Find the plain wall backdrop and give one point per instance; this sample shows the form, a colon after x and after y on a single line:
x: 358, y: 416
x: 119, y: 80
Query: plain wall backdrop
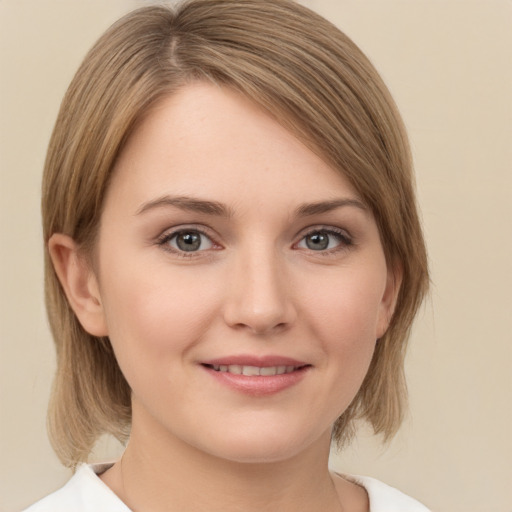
x: 448, y: 65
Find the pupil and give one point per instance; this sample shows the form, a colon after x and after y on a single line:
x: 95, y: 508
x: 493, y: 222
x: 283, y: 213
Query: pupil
x: 188, y: 241
x: 317, y: 241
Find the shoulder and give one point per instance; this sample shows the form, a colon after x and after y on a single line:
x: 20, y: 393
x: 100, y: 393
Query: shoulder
x: 84, y: 492
x: 384, y: 498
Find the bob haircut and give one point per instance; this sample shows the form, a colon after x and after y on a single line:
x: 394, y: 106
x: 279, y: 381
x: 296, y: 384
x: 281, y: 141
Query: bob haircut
x: 306, y: 74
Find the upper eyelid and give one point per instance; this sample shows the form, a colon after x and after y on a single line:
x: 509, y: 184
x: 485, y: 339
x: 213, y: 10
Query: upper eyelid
x: 162, y: 241
x: 173, y: 231
x: 170, y: 232
x: 345, y: 238
x: 321, y: 227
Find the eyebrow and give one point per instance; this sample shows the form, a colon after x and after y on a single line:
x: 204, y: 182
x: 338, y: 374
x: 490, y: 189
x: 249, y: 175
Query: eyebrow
x: 187, y: 203
x: 215, y: 208
x: 308, y: 209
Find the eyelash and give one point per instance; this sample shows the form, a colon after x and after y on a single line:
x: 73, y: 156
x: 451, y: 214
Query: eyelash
x: 165, y: 238
x: 344, y: 239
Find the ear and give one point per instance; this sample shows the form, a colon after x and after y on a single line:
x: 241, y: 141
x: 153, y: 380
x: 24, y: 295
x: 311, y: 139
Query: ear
x: 79, y: 283
x: 389, y: 299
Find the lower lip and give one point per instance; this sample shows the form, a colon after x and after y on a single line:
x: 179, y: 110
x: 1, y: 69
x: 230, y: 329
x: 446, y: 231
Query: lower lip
x: 259, y: 385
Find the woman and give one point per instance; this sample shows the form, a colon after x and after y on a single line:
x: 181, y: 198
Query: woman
x: 234, y: 262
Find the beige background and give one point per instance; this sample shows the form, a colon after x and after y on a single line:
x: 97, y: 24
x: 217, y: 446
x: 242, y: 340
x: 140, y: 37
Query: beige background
x: 448, y: 63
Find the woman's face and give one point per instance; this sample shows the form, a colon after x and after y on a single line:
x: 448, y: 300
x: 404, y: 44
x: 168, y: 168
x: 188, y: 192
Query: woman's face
x: 242, y: 281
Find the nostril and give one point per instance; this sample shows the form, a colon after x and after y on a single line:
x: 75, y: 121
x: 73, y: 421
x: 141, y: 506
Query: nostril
x: 259, y: 306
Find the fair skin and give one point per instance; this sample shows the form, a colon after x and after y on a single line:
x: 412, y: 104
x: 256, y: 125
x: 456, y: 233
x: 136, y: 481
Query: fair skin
x: 226, y: 245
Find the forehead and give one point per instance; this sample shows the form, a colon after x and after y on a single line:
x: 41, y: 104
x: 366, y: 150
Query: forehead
x: 213, y: 141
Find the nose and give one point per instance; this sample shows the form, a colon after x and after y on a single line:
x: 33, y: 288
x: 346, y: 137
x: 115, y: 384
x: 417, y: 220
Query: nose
x: 259, y: 296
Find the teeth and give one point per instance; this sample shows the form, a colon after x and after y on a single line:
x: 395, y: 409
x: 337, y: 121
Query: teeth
x: 252, y: 371
x: 235, y: 368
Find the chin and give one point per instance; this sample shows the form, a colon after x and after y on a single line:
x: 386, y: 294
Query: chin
x: 264, y: 446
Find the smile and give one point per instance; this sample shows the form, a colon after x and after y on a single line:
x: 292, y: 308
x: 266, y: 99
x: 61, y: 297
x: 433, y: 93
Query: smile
x: 257, y: 376
x: 251, y: 371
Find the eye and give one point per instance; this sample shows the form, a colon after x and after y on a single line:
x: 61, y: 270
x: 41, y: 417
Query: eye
x: 189, y: 240
x: 324, y: 240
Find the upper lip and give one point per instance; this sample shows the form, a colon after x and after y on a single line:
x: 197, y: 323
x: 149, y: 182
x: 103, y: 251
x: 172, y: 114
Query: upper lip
x: 258, y: 361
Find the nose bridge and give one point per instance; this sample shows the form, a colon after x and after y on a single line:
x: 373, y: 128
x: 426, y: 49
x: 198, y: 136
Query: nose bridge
x: 259, y: 294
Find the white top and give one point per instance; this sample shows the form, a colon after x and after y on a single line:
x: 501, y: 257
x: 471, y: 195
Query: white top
x: 85, y: 492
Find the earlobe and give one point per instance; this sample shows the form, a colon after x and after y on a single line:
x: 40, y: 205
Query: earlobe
x: 79, y: 283
x: 389, y: 299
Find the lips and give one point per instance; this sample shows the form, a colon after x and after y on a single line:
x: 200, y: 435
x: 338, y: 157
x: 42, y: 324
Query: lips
x: 257, y: 376
x: 251, y: 371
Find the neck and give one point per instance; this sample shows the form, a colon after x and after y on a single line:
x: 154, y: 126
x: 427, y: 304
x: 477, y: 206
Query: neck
x: 163, y: 474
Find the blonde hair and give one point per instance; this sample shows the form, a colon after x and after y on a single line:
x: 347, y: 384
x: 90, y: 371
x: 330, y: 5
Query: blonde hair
x: 302, y: 70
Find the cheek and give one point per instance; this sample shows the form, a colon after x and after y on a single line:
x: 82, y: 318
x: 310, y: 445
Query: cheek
x: 349, y: 309
x: 345, y: 320
x: 153, y: 315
